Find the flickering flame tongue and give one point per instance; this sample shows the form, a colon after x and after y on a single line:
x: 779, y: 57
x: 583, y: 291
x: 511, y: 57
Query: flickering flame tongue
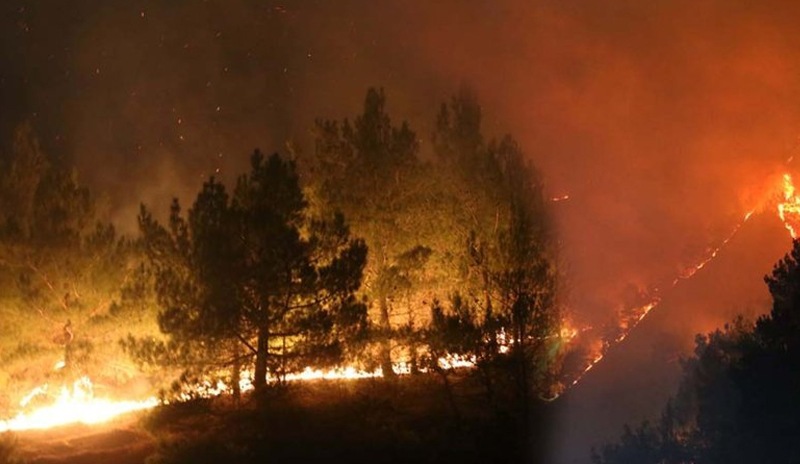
x: 77, y: 403
x: 789, y: 209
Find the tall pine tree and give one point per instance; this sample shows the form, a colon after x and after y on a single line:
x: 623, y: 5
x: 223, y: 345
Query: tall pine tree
x: 254, y: 273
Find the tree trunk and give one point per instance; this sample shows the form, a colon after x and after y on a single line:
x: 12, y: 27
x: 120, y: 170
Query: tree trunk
x: 236, y: 372
x: 488, y: 385
x: 412, y: 341
x: 519, y: 353
x: 262, y: 353
x: 448, y: 388
x: 386, y: 347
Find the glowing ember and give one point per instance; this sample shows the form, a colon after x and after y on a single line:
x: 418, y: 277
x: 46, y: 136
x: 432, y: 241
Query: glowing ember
x: 567, y: 331
x: 453, y: 361
x: 79, y: 405
x: 72, y: 405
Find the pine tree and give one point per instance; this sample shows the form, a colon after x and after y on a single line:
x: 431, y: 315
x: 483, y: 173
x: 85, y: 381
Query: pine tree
x: 370, y: 171
x: 737, y: 402
x: 255, y: 273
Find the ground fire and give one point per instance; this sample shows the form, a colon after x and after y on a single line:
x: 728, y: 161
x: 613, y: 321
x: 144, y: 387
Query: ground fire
x: 782, y: 199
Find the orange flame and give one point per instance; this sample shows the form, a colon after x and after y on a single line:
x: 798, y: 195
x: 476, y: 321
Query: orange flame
x: 789, y: 209
x: 78, y: 404
x: 72, y: 405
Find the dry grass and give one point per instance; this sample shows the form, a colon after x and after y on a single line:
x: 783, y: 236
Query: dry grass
x: 367, y: 421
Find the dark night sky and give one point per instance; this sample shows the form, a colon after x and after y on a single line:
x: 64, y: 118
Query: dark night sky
x: 148, y: 98
x: 662, y: 119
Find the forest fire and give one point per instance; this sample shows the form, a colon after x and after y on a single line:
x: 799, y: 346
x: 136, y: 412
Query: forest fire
x: 786, y: 202
x: 252, y: 231
x: 77, y: 403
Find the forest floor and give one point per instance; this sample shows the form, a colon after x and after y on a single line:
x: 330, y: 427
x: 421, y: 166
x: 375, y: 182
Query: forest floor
x: 367, y: 421
x: 122, y: 441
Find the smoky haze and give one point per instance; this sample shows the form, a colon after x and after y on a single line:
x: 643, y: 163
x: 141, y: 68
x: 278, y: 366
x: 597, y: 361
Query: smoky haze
x: 664, y: 121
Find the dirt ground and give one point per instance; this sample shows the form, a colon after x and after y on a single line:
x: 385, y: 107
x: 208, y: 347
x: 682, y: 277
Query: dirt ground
x: 117, y: 442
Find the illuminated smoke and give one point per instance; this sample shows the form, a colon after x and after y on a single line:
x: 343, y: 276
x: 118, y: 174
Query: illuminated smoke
x: 787, y: 206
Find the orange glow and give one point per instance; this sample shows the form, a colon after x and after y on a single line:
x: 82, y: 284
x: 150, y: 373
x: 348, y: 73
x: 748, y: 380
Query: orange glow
x: 637, y: 315
x: 567, y: 332
x: 76, y: 404
x: 346, y: 373
x: 789, y: 212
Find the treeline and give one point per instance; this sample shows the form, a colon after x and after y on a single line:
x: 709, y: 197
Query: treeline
x: 738, y: 400
x: 378, y: 255
x: 67, y: 280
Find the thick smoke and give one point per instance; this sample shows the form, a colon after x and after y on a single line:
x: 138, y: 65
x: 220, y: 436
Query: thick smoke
x: 658, y: 118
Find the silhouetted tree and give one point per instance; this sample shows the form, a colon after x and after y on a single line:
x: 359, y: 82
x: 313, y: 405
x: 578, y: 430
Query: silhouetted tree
x: 738, y: 401
x: 452, y: 333
x: 476, y: 208
x: 369, y: 170
x: 255, y: 273
x: 511, y: 279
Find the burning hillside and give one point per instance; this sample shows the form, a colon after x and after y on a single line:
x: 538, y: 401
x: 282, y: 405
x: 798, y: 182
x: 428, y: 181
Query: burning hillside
x: 635, y: 378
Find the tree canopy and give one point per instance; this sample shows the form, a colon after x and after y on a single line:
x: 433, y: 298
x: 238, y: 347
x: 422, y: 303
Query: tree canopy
x: 255, y: 273
x: 468, y: 218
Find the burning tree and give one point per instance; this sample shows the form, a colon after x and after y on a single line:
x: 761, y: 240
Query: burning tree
x: 253, y: 273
